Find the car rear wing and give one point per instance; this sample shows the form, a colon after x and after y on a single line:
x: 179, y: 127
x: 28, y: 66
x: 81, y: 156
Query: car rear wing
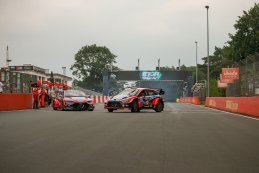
x: 160, y: 91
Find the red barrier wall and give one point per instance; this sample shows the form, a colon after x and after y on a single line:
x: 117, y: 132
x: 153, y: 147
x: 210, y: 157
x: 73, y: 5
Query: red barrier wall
x: 193, y: 100
x: 15, y: 101
x: 242, y: 105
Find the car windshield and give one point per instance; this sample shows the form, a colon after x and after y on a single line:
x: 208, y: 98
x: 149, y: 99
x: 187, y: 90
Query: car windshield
x: 74, y: 93
x: 129, y: 92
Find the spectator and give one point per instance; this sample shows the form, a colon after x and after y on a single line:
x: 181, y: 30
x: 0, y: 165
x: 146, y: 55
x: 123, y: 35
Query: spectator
x: 43, y: 95
x: 52, y: 95
x: 1, y: 87
x: 35, y: 98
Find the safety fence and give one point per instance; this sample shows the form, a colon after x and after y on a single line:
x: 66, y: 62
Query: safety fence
x: 15, y: 101
x: 248, y: 84
x: 193, y: 100
x: 242, y: 105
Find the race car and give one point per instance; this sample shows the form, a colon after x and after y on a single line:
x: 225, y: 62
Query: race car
x: 73, y: 100
x: 135, y: 99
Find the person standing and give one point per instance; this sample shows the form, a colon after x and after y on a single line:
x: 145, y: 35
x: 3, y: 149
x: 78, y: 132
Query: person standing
x: 43, y: 94
x: 52, y: 96
x: 35, y: 98
x: 1, y: 87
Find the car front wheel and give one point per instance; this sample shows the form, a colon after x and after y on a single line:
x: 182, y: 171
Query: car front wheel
x: 135, y: 107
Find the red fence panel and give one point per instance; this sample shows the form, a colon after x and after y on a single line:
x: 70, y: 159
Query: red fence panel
x: 242, y: 105
x: 15, y: 101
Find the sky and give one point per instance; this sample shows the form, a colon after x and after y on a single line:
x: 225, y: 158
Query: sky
x: 48, y: 33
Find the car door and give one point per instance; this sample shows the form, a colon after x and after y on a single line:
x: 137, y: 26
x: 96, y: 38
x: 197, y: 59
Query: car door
x: 142, y: 98
x: 149, y: 97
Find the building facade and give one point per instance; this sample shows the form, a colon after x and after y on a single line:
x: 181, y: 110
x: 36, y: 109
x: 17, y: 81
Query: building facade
x: 17, y: 79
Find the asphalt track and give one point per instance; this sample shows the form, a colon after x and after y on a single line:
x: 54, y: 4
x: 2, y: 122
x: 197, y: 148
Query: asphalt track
x: 183, y: 139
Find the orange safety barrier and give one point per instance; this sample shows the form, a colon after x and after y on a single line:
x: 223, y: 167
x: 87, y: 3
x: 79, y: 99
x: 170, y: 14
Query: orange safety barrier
x: 15, y: 101
x: 242, y: 105
x: 193, y: 100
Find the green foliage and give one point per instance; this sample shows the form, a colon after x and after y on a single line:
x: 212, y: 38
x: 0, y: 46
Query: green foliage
x: 215, y: 91
x: 243, y: 43
x: 202, y: 72
x: 90, y: 63
x: 183, y: 68
x: 246, y: 40
x: 222, y: 57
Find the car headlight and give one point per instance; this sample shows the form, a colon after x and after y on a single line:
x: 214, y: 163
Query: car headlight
x: 125, y: 101
x: 90, y: 102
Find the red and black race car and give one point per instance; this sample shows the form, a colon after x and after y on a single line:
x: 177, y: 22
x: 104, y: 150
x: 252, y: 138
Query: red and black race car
x: 73, y: 100
x: 135, y: 99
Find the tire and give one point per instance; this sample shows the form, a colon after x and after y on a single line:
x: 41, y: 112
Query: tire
x: 110, y: 110
x: 134, y: 107
x: 90, y: 109
x: 159, y: 107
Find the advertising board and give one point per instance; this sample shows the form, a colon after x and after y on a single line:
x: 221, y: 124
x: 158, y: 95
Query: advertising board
x: 226, y: 80
x: 230, y: 73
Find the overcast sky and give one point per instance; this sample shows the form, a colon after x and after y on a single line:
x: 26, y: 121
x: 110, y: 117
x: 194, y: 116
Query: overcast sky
x: 48, y: 33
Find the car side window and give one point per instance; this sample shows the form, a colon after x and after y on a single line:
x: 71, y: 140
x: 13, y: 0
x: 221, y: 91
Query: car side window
x: 148, y: 93
x: 143, y: 93
x: 151, y: 92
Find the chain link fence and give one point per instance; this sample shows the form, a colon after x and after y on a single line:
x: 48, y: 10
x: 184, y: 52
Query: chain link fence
x: 248, y: 84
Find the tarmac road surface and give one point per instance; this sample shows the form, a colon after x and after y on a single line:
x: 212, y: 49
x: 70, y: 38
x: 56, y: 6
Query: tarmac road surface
x: 183, y: 139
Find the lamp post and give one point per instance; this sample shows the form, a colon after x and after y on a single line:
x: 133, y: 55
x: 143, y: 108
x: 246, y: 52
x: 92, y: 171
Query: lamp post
x: 196, y: 62
x: 208, y: 59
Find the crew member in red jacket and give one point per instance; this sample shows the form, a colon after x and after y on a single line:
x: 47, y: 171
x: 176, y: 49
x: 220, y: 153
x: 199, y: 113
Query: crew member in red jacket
x: 35, y: 98
x: 43, y: 93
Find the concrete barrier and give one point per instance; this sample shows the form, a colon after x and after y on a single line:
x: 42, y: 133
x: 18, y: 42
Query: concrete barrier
x: 193, y: 100
x: 242, y: 105
x: 15, y: 101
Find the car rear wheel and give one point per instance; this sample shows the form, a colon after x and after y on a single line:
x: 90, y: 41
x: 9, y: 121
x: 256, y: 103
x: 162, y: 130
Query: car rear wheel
x: 134, y: 107
x: 110, y: 110
x: 159, y: 107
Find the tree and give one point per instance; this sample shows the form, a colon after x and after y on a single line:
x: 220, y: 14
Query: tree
x: 215, y: 91
x: 222, y: 57
x: 90, y: 63
x: 243, y: 43
x: 201, y: 74
x: 246, y: 40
